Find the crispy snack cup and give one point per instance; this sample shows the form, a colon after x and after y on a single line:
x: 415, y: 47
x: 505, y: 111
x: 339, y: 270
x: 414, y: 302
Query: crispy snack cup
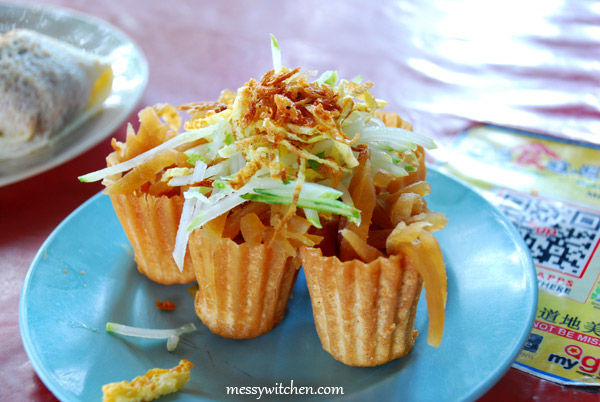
x: 243, y: 289
x: 150, y: 224
x: 364, y: 313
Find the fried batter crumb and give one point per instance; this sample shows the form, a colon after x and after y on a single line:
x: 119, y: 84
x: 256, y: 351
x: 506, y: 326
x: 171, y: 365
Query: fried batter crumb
x: 152, y: 385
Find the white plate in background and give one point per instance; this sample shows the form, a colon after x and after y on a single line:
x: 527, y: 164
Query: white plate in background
x: 130, y: 70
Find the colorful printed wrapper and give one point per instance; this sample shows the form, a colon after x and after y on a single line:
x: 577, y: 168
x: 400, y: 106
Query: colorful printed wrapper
x: 364, y: 313
x: 242, y: 289
x: 550, y: 189
x: 150, y: 224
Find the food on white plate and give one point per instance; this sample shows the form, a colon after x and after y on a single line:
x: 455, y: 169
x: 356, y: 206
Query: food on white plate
x: 47, y: 88
x: 287, y: 171
x: 152, y: 385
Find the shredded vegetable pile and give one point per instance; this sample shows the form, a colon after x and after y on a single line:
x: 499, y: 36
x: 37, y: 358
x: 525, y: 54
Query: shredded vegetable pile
x: 284, y: 139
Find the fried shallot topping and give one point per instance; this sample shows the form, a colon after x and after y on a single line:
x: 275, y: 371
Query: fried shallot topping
x: 280, y: 119
x: 288, y: 98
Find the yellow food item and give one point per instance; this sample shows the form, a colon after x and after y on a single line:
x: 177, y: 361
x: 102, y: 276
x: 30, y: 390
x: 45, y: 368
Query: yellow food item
x: 152, y: 385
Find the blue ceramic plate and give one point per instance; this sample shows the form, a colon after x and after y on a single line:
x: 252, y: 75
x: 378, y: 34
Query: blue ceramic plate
x: 84, y: 275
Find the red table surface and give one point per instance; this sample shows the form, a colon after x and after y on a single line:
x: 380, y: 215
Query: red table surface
x: 442, y: 64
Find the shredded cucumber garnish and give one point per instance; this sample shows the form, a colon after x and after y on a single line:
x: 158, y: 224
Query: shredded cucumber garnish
x: 317, y: 204
x: 198, y: 174
x: 329, y: 77
x: 245, y: 156
x: 152, y: 333
x: 382, y: 160
x: 174, y: 142
x: 182, y: 236
x: 172, y: 342
x: 275, y: 53
x: 394, y: 137
x: 309, y: 190
x: 313, y: 217
x: 219, y: 184
x: 215, y: 210
x: 198, y: 193
x: 172, y: 335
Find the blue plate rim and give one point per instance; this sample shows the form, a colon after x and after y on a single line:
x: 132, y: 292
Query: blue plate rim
x: 30, y: 348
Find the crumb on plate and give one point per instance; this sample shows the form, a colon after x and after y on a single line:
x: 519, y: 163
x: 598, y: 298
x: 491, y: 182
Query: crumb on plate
x: 152, y: 385
x: 165, y: 305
